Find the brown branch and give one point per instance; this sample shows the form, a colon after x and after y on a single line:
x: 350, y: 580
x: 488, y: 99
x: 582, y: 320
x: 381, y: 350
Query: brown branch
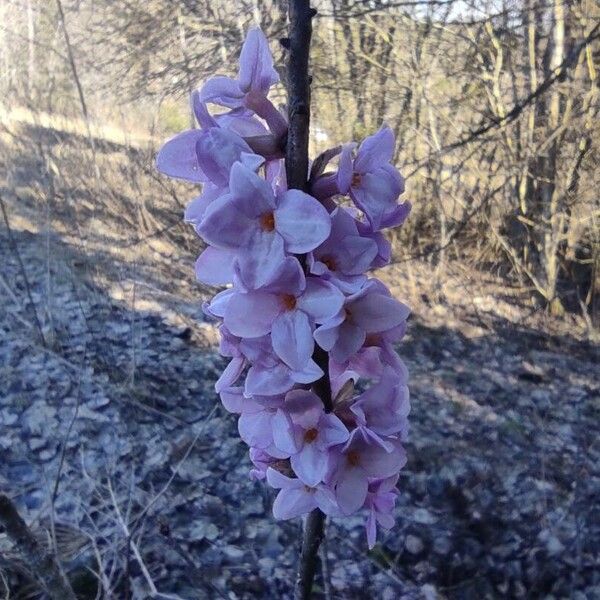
x: 78, y: 85
x: 558, y: 75
x: 15, y: 249
x: 314, y: 531
x: 42, y: 564
x: 296, y: 159
x: 296, y: 164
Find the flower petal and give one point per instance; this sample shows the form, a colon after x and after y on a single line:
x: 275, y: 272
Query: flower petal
x: 231, y: 373
x: 379, y: 463
x: 252, y: 314
x: 278, y: 480
x: 349, y: 341
x: 257, y: 264
x: 345, y: 169
x: 255, y: 429
x: 256, y: 192
x: 218, y: 149
x: 223, y: 91
x: 371, y: 527
x: 351, y: 489
x: 310, y: 373
x: 283, y: 433
x: 305, y: 408
x: 177, y: 157
x: 310, y: 464
x: 256, y: 63
x: 332, y: 431
x: 378, y: 312
x: 302, y: 221
x: 226, y: 224
x: 293, y: 502
x: 288, y: 278
x: 194, y: 211
x: 375, y: 151
x: 292, y: 339
x: 269, y: 381
x: 321, y: 300
x: 233, y: 400
x: 215, y: 266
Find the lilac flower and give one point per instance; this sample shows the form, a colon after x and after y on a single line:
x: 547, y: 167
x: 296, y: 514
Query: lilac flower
x: 287, y: 307
x: 262, y: 227
x: 296, y: 498
x: 201, y: 156
x: 256, y: 421
x: 380, y: 502
x: 304, y: 430
x: 255, y: 77
x: 267, y: 375
x: 369, y: 362
x: 360, y: 460
x: 345, y: 255
x: 261, y: 461
x: 383, y: 408
x: 370, y: 310
x: 372, y: 182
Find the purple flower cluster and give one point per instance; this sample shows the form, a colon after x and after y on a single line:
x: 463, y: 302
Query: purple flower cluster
x: 294, y: 269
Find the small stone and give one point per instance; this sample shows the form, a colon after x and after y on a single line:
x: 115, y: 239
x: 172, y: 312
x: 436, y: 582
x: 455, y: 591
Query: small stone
x: 46, y: 455
x: 413, y: 544
x: 8, y: 418
x: 429, y: 592
x: 233, y: 552
x: 423, y: 516
x: 554, y: 546
x: 442, y: 546
x: 35, y: 443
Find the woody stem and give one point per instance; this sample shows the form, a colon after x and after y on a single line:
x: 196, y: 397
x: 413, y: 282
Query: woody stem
x: 296, y: 164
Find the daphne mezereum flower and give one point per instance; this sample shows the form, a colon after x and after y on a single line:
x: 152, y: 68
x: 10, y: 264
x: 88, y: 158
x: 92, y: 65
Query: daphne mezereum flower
x: 360, y: 460
x: 287, y: 307
x: 249, y: 90
x: 383, y: 408
x: 345, y: 255
x: 295, y: 498
x: 306, y: 432
x: 294, y: 266
x: 370, y: 179
x: 261, y: 226
x: 376, y: 354
x: 380, y: 502
x: 370, y: 310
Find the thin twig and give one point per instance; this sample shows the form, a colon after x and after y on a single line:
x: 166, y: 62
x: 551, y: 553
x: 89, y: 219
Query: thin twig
x: 78, y: 85
x: 15, y: 250
x: 42, y: 564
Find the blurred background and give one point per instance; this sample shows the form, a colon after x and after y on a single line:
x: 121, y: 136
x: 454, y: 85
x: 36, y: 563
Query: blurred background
x: 112, y: 444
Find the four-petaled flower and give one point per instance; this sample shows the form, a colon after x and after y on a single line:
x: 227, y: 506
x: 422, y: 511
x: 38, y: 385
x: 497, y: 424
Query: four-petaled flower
x: 262, y: 227
x: 304, y: 430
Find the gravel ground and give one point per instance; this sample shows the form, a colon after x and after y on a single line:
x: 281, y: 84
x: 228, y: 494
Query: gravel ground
x: 113, y: 445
